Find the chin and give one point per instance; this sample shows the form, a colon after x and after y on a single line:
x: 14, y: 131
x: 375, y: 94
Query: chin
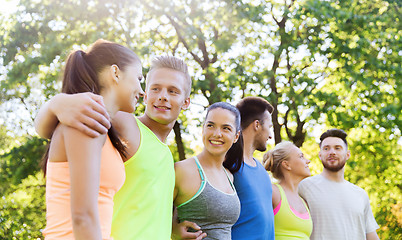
x: 163, y: 121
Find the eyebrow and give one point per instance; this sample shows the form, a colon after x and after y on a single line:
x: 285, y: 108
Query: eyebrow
x: 225, y: 125
x: 337, y: 145
x: 228, y: 125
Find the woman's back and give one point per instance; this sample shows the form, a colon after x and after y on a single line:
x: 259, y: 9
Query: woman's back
x: 58, y: 189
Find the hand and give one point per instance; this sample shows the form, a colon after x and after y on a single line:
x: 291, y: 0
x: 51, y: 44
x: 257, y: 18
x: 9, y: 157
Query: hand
x: 85, y: 112
x: 180, y: 231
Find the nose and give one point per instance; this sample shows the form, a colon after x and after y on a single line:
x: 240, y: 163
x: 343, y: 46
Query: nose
x: 331, y: 151
x: 270, y: 134
x: 217, y: 132
x: 308, y: 161
x: 163, y: 95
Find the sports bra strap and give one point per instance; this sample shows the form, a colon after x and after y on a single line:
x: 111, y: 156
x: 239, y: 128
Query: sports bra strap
x: 230, y: 181
x: 202, y: 173
x: 200, y: 170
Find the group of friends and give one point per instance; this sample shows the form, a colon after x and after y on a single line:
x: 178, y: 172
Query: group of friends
x: 110, y: 174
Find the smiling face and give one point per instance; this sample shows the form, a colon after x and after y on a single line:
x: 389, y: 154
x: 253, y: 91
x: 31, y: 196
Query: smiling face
x: 333, y: 154
x: 165, y: 95
x: 219, y: 131
x: 298, y: 163
x: 129, y: 88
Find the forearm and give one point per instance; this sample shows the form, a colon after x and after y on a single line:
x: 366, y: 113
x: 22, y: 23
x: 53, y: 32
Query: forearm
x: 82, y: 111
x: 46, y: 120
x: 84, y: 157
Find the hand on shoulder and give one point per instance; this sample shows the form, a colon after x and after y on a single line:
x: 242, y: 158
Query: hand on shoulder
x: 85, y: 112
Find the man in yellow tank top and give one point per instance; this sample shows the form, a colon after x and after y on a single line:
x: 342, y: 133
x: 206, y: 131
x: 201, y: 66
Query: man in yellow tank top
x: 143, y: 206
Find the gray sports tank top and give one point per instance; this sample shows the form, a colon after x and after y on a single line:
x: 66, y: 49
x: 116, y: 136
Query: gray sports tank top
x: 213, y: 210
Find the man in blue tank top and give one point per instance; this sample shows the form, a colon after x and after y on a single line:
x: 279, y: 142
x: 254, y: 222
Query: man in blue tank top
x: 252, y: 182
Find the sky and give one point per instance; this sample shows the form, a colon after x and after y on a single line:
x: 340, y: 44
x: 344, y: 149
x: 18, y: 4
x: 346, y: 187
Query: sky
x: 8, y: 6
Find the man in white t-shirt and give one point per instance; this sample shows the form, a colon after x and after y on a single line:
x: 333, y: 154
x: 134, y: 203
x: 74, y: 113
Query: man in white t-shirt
x: 339, y: 209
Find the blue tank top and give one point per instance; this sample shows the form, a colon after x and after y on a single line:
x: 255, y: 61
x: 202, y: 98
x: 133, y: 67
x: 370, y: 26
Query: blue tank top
x: 256, y: 221
x: 211, y: 209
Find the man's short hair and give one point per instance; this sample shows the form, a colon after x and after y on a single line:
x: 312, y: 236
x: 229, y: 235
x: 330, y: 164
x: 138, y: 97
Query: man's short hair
x: 339, y: 133
x: 253, y: 108
x: 174, y: 63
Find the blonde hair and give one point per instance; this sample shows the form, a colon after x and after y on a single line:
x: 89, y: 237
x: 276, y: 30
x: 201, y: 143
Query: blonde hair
x: 174, y: 63
x: 273, y: 158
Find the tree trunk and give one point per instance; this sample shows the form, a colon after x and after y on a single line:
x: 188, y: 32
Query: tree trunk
x: 275, y: 123
x: 179, y: 141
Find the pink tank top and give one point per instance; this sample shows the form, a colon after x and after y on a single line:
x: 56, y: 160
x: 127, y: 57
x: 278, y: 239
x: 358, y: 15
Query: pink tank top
x: 58, y: 214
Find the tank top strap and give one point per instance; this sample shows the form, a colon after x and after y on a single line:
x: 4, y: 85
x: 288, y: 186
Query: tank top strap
x: 305, y: 204
x: 282, y: 192
x: 230, y: 181
x: 200, y: 169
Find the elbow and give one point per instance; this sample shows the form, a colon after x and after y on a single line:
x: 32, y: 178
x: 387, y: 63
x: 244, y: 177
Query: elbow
x: 84, y: 220
x: 40, y: 131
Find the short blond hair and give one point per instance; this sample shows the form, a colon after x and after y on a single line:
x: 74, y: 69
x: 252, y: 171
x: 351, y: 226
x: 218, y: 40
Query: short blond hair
x: 273, y: 158
x: 174, y: 63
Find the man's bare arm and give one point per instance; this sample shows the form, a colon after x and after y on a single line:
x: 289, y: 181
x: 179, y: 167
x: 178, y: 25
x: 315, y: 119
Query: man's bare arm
x: 85, y: 112
x: 180, y: 230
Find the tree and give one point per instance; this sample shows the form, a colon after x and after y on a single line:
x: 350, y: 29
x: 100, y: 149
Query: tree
x: 22, y: 211
x: 320, y: 63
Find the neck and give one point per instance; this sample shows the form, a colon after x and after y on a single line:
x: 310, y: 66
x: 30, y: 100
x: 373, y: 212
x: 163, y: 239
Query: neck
x: 211, y: 161
x: 334, y: 176
x: 159, y: 129
x: 109, y: 101
x: 291, y: 182
x: 248, y: 148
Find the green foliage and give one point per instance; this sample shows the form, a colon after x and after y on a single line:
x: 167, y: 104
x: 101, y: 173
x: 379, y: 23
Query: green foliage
x: 188, y: 151
x: 20, y: 162
x: 22, y: 211
x: 377, y: 168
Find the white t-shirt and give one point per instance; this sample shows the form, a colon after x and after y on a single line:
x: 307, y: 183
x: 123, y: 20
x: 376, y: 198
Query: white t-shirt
x: 339, y: 210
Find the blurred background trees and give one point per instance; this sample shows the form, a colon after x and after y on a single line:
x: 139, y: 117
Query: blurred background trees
x: 322, y: 64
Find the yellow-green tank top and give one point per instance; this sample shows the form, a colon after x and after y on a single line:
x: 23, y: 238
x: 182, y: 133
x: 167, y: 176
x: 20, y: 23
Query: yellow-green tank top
x: 288, y: 225
x: 143, y: 206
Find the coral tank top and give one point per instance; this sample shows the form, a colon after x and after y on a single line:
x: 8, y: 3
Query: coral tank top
x: 58, y: 213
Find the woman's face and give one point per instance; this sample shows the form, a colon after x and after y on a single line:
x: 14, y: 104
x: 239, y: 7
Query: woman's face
x: 219, y: 131
x: 298, y: 163
x: 129, y: 89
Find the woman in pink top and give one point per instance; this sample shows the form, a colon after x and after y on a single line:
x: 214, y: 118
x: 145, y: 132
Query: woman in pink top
x: 83, y: 173
x: 289, y: 166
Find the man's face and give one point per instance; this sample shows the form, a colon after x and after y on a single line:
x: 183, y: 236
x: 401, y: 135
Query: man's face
x: 165, y: 95
x: 333, y: 154
x: 264, y: 132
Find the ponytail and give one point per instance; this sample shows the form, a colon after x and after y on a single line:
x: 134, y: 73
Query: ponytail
x: 268, y: 161
x: 81, y: 75
x: 234, y: 157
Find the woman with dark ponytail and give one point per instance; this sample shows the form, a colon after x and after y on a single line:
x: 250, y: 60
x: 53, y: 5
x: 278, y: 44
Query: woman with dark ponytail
x: 204, y: 192
x: 84, y: 173
x: 291, y: 214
